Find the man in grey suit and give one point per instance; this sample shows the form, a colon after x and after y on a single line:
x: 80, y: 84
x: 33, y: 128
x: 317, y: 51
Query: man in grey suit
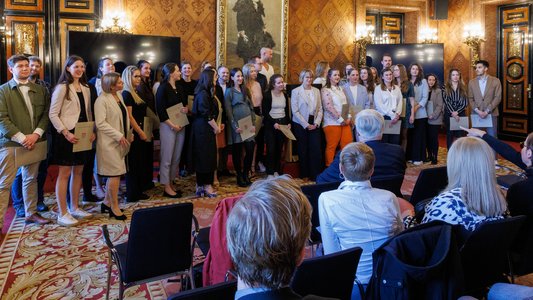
x: 484, y: 95
x: 24, y: 109
x: 356, y: 94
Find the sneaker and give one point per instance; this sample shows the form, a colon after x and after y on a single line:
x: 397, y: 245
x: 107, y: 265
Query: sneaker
x: 496, y: 165
x: 261, y: 167
x: 80, y: 213
x: 66, y: 220
x: 417, y: 163
x: 276, y: 174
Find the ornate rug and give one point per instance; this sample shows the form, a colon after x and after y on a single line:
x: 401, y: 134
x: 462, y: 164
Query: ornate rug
x: 54, y: 262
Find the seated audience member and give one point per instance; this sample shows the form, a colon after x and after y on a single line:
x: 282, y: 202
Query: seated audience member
x: 504, y: 291
x: 519, y: 193
x: 390, y: 158
x: 472, y: 195
x: 267, y: 231
x: 356, y: 214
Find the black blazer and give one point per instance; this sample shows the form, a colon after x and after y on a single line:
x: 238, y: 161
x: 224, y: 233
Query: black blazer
x: 263, y: 81
x: 267, y: 106
x: 219, y: 92
x: 166, y: 97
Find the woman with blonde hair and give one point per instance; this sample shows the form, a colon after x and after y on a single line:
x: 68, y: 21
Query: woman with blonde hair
x: 113, y: 143
x: 472, y: 195
x: 321, y: 72
x: 140, y: 158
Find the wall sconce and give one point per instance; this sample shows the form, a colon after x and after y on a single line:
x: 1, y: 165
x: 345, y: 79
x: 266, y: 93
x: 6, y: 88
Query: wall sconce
x: 428, y: 35
x: 363, y: 38
x: 115, y: 22
x: 473, y: 37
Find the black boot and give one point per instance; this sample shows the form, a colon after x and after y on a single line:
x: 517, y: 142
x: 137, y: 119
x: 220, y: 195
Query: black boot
x: 246, y: 178
x: 240, y: 180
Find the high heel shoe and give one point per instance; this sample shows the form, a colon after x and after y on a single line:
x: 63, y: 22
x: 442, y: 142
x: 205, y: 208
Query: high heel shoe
x: 200, y: 192
x: 104, y: 208
x: 120, y: 218
x: 209, y: 192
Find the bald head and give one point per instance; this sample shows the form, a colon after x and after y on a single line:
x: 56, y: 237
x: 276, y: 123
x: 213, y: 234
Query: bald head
x: 266, y: 54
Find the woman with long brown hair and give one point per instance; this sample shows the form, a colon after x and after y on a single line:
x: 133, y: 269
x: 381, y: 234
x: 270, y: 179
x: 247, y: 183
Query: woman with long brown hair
x: 455, y: 96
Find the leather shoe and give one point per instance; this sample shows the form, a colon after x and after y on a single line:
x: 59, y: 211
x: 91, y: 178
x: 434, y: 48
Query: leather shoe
x: 91, y: 198
x: 37, y: 219
x: 177, y: 195
x: 42, y: 207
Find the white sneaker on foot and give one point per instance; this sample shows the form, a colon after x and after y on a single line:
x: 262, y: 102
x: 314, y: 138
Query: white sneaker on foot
x: 496, y: 165
x: 262, y: 167
x: 80, y: 213
x: 66, y: 220
x: 417, y: 163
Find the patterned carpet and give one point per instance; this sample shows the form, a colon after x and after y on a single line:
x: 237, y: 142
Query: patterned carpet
x: 54, y: 262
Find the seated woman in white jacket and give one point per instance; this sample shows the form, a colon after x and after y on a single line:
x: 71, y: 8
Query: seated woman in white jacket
x: 112, y: 145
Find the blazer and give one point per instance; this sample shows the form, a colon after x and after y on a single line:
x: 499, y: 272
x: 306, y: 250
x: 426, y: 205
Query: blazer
x: 492, y: 98
x: 300, y: 106
x: 64, y: 113
x: 110, y: 129
x: 438, y: 107
x: 361, y: 100
x: 14, y: 114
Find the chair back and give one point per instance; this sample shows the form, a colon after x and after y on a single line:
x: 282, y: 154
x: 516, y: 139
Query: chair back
x: 223, y: 290
x: 484, y: 252
x: 392, y: 184
x: 330, y: 275
x: 430, y: 183
x: 159, y: 242
x: 202, y: 240
x: 312, y: 192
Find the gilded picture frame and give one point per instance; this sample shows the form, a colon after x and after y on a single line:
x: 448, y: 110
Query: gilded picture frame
x: 237, y: 43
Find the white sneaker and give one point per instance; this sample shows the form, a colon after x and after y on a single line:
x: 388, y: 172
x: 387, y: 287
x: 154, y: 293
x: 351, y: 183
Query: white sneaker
x: 66, y: 220
x: 417, y: 163
x: 276, y: 174
x: 80, y: 213
x: 262, y: 167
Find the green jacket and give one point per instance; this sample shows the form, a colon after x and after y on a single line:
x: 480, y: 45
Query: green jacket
x: 14, y: 115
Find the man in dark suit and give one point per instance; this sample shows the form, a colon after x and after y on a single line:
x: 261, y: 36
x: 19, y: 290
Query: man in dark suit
x: 273, y: 213
x: 390, y: 158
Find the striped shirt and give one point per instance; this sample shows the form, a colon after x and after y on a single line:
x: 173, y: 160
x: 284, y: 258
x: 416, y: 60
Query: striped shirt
x: 454, y: 101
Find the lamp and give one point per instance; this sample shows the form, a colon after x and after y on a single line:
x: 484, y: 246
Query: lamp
x: 115, y: 22
x: 473, y: 37
x: 428, y: 35
x: 363, y: 38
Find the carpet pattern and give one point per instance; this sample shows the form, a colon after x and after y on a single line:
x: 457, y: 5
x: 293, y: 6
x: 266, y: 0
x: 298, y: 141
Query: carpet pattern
x: 54, y: 262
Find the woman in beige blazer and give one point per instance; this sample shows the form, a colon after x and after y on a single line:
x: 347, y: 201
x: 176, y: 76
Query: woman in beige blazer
x: 112, y: 124
x: 71, y: 104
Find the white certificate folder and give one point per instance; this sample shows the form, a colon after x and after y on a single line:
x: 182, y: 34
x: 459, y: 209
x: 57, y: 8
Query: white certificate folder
x: 392, y: 128
x: 456, y: 125
x: 480, y: 122
x: 83, y: 131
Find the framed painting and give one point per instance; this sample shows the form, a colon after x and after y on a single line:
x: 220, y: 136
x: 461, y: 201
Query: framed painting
x: 246, y: 26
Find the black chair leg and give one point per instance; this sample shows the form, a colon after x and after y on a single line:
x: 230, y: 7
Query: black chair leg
x: 109, y: 267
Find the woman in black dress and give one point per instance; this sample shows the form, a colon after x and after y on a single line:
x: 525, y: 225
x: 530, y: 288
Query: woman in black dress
x: 204, y: 130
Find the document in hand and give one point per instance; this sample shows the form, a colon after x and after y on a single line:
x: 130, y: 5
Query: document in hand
x: 287, y: 132
x: 454, y: 125
x: 176, y: 116
x: 83, y: 132
x: 24, y: 157
x: 148, y: 128
x: 429, y: 108
x: 247, y: 127
x: 392, y: 128
x: 480, y: 122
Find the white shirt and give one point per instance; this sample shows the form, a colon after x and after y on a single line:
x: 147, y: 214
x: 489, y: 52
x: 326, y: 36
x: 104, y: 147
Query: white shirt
x: 338, y: 100
x: 482, y: 83
x: 19, y: 137
x: 268, y: 73
x: 388, y: 103
x: 277, y: 111
x: 357, y: 215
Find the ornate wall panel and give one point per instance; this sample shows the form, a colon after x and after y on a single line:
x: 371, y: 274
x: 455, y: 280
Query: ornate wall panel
x: 76, y: 6
x: 25, y: 36
x: 192, y: 21
x: 320, y: 30
x: 65, y: 25
x: 27, y: 5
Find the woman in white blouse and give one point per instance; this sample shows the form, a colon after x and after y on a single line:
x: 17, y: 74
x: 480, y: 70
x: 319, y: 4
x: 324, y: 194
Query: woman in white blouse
x: 337, y: 119
x: 388, y: 101
x: 307, y: 113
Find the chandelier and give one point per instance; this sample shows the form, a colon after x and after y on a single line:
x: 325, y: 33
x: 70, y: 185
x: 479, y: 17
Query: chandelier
x: 115, y: 22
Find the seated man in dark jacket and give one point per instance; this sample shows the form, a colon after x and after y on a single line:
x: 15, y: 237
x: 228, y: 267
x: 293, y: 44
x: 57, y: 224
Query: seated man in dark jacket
x: 273, y: 214
x: 390, y: 158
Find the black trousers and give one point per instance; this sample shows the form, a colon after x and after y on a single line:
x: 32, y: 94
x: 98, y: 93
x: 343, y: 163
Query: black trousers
x: 205, y: 178
x: 309, y: 151
x: 433, y: 142
x: 274, y: 140
x: 236, y: 153
x: 87, y: 173
x: 391, y: 138
x: 135, y: 177
x: 418, y: 140
x: 452, y: 135
x: 223, y: 158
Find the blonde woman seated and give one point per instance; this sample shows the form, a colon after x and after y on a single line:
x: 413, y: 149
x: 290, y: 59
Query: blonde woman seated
x: 112, y: 145
x: 472, y: 195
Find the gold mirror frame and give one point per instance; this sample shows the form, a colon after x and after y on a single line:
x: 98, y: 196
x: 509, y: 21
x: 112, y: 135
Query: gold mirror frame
x: 221, y: 35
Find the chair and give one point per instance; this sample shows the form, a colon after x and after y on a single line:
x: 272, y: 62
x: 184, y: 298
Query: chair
x: 223, y: 290
x: 312, y: 192
x: 330, y: 275
x: 484, y: 254
x: 392, y: 184
x: 430, y: 183
x: 202, y: 240
x: 159, y: 246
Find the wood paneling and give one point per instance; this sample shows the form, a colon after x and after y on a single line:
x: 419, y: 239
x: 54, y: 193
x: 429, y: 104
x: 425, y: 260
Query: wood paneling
x: 66, y: 25
x: 320, y: 30
x: 76, y: 6
x: 27, y: 5
x: 25, y: 36
x: 192, y: 21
